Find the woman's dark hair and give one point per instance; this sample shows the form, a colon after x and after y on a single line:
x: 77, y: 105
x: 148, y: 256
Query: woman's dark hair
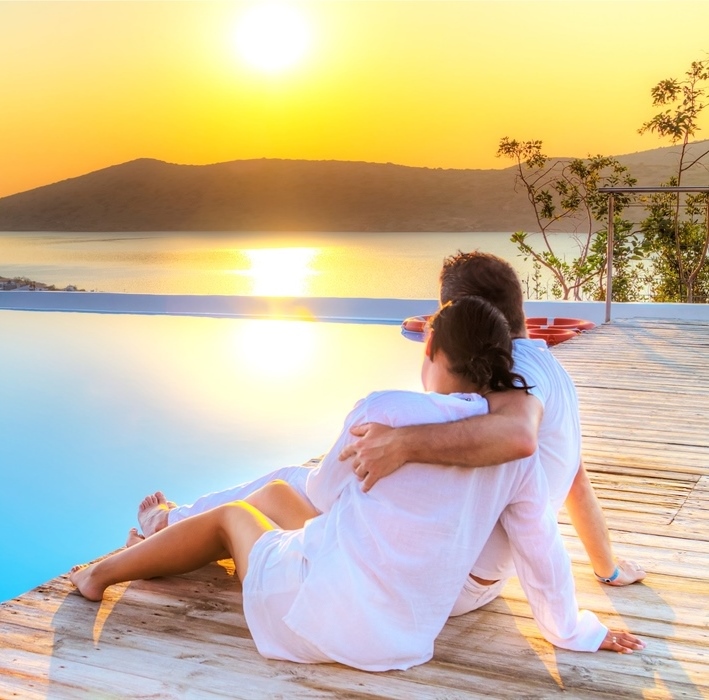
x: 475, y: 337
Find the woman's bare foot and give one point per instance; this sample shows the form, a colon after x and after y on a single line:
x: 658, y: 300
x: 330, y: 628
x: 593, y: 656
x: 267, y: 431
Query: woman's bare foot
x: 152, y: 513
x: 133, y: 537
x: 82, y: 577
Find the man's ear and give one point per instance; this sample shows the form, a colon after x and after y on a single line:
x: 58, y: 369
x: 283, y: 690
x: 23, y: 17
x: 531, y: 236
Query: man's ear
x: 427, y: 347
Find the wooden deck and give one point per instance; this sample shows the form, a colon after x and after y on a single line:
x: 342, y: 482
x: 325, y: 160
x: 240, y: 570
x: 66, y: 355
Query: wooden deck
x: 644, y: 389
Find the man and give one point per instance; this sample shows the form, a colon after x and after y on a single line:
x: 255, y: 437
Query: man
x: 553, y: 408
x: 512, y: 429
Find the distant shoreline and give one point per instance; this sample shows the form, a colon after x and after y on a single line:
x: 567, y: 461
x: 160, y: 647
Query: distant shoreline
x: 21, y: 284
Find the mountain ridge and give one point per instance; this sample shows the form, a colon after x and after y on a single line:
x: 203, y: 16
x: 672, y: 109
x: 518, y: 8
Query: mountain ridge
x: 272, y: 194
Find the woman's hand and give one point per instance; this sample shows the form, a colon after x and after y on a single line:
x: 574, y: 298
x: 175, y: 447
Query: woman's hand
x: 622, y: 642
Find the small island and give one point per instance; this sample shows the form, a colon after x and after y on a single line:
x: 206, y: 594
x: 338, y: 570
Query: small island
x: 25, y: 284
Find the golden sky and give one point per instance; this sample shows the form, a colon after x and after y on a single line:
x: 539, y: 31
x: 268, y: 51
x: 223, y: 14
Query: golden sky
x: 433, y: 83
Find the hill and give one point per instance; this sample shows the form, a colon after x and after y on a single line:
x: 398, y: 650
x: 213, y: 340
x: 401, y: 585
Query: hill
x: 292, y: 195
x: 266, y: 195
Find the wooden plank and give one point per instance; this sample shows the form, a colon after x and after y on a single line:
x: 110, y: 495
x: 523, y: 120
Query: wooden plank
x: 644, y: 402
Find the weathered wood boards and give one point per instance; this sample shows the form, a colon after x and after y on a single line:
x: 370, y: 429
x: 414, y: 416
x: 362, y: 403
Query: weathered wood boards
x: 643, y: 387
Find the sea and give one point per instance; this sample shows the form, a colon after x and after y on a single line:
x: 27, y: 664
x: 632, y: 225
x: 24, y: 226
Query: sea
x: 101, y: 409
x: 362, y: 265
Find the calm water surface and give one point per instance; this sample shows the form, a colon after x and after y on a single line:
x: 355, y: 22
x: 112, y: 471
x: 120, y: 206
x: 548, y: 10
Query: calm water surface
x: 374, y: 265
x: 99, y: 410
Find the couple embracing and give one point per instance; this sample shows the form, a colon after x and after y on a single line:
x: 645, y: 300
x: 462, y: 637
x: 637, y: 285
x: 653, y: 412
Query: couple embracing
x: 424, y: 506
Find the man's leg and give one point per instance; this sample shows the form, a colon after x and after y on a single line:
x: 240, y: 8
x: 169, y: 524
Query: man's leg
x: 475, y: 594
x: 156, y: 512
x: 489, y: 574
x: 153, y: 513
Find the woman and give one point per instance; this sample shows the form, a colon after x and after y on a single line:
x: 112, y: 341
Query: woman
x: 369, y: 579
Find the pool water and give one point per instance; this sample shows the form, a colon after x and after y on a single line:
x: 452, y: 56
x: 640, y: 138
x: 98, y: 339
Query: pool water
x: 101, y: 409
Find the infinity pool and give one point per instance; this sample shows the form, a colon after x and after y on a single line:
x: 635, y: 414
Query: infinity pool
x: 100, y: 409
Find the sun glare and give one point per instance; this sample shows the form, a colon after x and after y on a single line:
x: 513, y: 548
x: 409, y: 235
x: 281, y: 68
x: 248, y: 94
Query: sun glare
x: 273, y: 36
x: 280, y: 272
x: 272, y: 349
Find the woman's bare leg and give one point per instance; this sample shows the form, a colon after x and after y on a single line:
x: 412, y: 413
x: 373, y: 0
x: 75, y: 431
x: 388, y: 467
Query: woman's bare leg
x: 282, y: 504
x: 227, y: 531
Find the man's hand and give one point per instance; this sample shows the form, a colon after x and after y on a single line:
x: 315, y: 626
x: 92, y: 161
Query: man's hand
x: 622, y: 642
x: 376, y: 454
x: 630, y: 572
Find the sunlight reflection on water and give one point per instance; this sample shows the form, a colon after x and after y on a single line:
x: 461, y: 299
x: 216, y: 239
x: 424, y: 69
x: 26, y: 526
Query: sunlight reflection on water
x: 101, y: 409
x: 280, y: 272
x: 374, y: 265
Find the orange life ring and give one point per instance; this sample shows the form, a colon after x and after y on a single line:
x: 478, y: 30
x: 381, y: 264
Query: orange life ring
x: 553, y: 336
x: 415, y: 324
x: 573, y: 323
x: 552, y: 330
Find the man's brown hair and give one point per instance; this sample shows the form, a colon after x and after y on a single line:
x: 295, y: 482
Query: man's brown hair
x: 487, y: 276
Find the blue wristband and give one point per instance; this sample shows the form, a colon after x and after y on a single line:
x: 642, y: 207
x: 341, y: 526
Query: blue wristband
x: 609, y: 579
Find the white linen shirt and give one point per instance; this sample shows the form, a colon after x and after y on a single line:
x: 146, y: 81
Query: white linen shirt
x: 559, y: 443
x: 560, y: 428
x: 384, y: 568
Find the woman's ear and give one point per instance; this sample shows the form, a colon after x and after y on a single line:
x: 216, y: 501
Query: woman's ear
x: 427, y: 346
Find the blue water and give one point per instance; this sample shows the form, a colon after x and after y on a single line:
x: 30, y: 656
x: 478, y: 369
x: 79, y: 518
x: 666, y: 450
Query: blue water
x: 100, y: 409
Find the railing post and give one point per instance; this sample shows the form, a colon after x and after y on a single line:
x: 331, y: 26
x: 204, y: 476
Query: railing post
x: 609, y: 258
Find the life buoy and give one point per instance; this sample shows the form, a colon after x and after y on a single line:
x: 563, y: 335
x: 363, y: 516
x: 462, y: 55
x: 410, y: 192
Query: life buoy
x: 415, y: 324
x: 552, y: 330
x: 577, y: 324
x: 552, y: 336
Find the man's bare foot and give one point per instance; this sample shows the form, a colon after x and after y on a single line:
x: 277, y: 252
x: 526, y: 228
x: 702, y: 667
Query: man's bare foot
x: 133, y: 537
x: 82, y: 577
x: 152, y: 513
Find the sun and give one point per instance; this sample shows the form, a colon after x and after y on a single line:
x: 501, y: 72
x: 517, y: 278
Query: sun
x: 273, y: 36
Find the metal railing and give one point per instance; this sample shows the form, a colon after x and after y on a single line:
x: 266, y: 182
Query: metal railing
x: 611, y: 205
